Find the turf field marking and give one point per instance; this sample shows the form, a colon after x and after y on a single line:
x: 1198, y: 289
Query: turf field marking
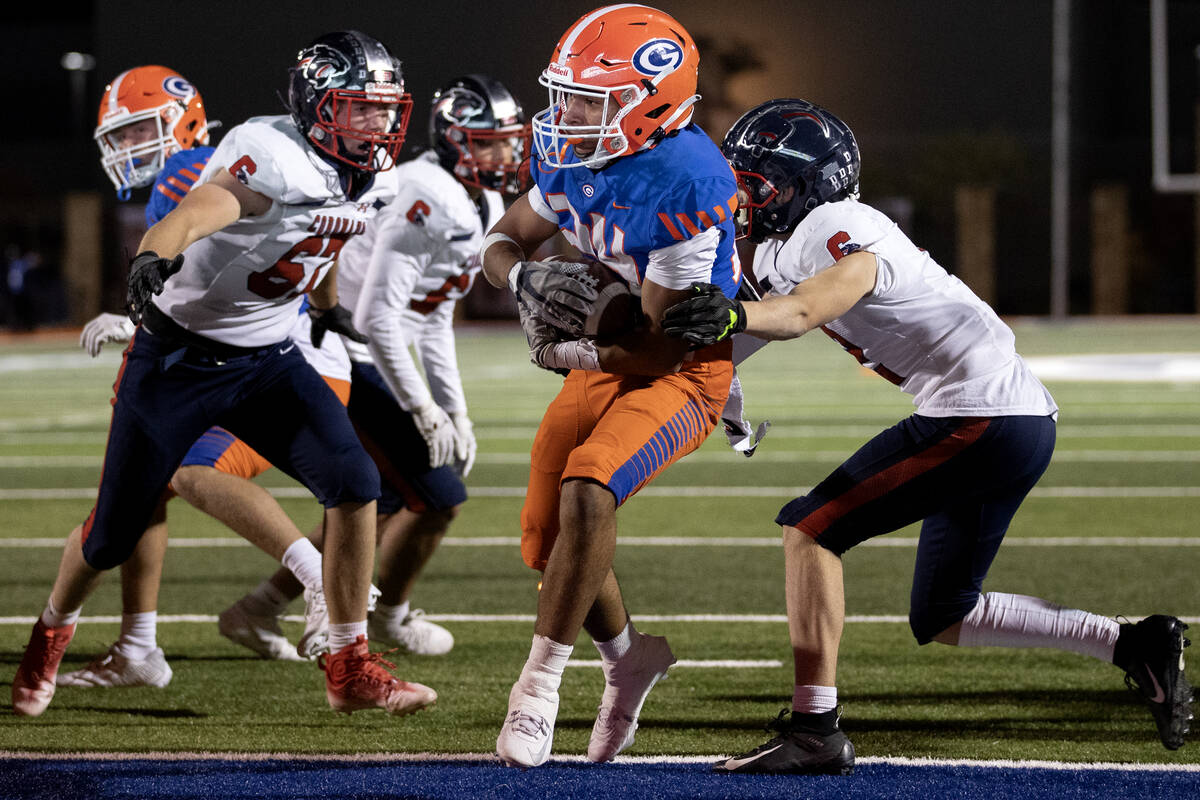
x: 853, y: 619
x: 687, y: 541
x: 703, y: 457
x: 297, y: 492
x: 693, y: 664
x: 491, y: 758
x: 18, y: 434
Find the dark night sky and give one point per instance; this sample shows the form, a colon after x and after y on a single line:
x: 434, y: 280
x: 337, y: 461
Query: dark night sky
x: 939, y: 92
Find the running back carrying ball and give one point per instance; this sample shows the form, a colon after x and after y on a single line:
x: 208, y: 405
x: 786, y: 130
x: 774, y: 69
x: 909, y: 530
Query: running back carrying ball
x: 616, y: 310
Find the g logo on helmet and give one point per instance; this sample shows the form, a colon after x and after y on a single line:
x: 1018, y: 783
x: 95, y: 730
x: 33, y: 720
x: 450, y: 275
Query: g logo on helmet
x: 657, y: 57
x: 178, y: 88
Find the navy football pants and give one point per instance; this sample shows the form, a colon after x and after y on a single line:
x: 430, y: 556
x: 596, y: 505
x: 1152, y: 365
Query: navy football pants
x: 168, y: 394
x: 389, y: 434
x: 964, y: 476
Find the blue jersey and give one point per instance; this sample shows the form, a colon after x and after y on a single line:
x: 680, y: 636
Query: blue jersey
x: 175, y: 180
x: 648, y: 201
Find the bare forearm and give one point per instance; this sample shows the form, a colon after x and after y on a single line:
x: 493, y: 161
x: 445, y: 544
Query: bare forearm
x: 325, y: 294
x: 498, y: 261
x: 778, y: 318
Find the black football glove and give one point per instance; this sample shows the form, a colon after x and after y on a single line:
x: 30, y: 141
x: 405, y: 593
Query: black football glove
x: 336, y: 319
x: 705, y: 318
x: 147, y: 274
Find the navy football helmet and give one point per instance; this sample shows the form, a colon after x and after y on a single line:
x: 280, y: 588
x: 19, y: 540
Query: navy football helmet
x: 789, y: 156
x: 478, y: 131
x: 346, y: 95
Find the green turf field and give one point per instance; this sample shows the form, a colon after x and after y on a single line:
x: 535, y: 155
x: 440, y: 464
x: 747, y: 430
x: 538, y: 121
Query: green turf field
x: 1111, y: 528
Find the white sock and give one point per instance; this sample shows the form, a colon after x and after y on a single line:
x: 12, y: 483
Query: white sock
x: 615, y: 648
x: 1017, y: 620
x: 544, y: 668
x: 267, y: 597
x: 139, y: 634
x: 304, y: 561
x: 392, y: 613
x: 53, y: 618
x: 814, y: 699
x: 344, y: 634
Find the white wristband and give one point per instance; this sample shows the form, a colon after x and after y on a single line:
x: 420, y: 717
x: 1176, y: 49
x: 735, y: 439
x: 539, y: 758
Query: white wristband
x: 576, y: 354
x: 512, y: 276
x: 493, y: 238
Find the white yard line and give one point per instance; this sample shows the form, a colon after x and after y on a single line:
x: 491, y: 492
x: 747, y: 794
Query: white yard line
x: 683, y: 541
x: 289, y: 492
x: 722, y: 619
x: 491, y: 758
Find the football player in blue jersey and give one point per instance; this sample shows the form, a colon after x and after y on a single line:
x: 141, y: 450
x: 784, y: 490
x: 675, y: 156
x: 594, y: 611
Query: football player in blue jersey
x: 631, y: 182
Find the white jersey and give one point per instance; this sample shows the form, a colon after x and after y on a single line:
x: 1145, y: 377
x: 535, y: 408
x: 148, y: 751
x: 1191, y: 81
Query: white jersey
x: 920, y: 327
x: 244, y: 284
x: 330, y: 359
x: 403, y: 277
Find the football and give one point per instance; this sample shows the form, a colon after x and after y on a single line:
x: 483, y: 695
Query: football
x: 617, y: 309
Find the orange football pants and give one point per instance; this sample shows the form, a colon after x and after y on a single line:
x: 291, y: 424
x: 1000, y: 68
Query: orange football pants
x: 619, y: 431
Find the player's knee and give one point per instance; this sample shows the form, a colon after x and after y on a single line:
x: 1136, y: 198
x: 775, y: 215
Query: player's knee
x: 188, y: 482
x: 349, y: 476
x: 583, y: 502
x: 105, y: 554
x: 932, y: 619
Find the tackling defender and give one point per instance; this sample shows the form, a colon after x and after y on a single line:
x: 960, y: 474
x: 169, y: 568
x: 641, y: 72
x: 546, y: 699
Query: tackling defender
x: 276, y: 202
x: 630, y: 181
x: 982, y: 435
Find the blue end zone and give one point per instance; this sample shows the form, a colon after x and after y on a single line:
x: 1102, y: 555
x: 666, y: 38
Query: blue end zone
x: 408, y: 778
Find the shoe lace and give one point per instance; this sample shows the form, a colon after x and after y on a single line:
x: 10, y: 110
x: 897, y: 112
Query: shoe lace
x: 780, y: 723
x: 528, y: 724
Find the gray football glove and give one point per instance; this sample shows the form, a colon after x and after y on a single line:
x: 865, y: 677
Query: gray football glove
x: 560, y: 292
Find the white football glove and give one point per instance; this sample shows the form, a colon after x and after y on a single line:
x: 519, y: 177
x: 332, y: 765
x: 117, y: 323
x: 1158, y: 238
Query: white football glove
x: 105, y: 328
x: 464, y: 443
x: 437, y: 430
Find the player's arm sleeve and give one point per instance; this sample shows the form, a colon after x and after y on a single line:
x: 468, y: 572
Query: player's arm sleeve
x: 390, y: 278
x: 678, y: 265
x: 435, y: 346
x: 537, y: 201
x: 246, y: 154
x: 836, y: 231
x: 691, y: 232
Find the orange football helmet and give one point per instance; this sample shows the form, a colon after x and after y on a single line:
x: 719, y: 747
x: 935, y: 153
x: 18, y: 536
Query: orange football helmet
x: 636, y: 60
x: 175, y: 115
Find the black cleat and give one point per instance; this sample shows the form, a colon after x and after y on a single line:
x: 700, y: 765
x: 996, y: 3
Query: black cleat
x: 795, y: 751
x: 1151, y: 653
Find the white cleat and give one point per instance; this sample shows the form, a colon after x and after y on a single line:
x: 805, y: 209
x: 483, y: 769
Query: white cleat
x: 414, y: 634
x: 258, y: 632
x: 315, y: 639
x: 626, y: 685
x: 113, y: 670
x: 528, y: 731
